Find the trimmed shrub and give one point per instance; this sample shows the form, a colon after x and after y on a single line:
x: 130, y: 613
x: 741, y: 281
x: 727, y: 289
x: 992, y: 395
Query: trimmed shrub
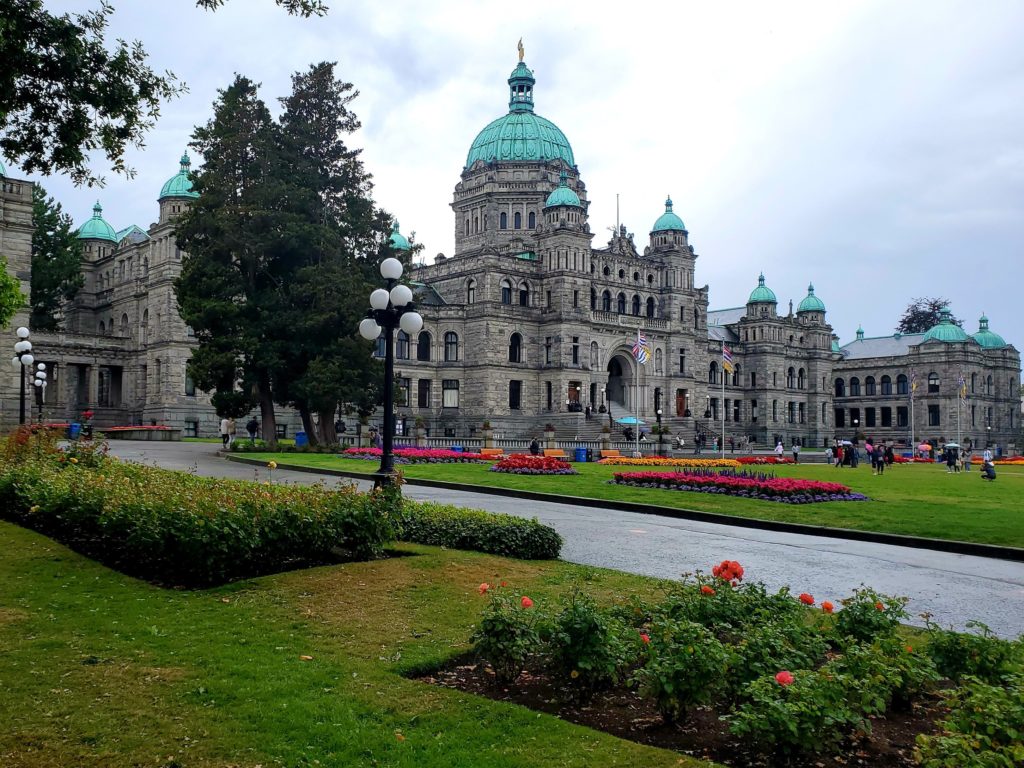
x: 976, y: 654
x: 444, y: 525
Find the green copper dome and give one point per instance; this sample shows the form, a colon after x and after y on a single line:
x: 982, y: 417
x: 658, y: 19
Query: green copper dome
x: 811, y: 303
x: 987, y: 338
x: 668, y: 221
x: 521, y: 135
x: 835, y: 344
x: 97, y: 228
x: 946, y: 330
x: 562, y: 195
x: 179, y: 185
x: 762, y: 294
x: 398, y: 240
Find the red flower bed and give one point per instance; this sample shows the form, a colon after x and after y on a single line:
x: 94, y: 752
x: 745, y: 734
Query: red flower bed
x: 417, y: 455
x: 913, y: 460
x: 764, y: 460
x: 525, y: 464
x: 150, y: 428
x: 766, y: 488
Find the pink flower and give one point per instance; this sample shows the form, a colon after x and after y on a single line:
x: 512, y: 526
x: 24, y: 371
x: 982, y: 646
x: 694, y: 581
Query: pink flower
x: 784, y: 678
x: 645, y: 638
x: 526, y: 602
x: 484, y: 587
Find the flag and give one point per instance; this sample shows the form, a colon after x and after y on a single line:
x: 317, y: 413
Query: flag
x: 913, y: 383
x: 641, y: 350
x: 726, y: 358
x: 961, y: 386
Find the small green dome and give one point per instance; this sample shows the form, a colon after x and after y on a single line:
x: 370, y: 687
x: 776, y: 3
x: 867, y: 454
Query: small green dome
x: 762, y: 294
x: 562, y: 195
x: 835, y: 344
x: 986, y: 338
x: 179, y: 185
x: 946, y: 330
x: 521, y: 135
x: 669, y: 221
x: 811, y: 303
x: 97, y: 228
x: 398, y: 240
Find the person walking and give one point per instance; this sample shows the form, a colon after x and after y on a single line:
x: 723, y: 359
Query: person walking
x: 796, y: 451
x: 535, y: 447
x: 966, y: 456
x: 890, y: 457
x: 839, y: 455
x: 225, y: 426
x: 828, y: 455
x: 253, y: 428
x: 779, y: 450
x: 231, y: 432
x: 950, y: 460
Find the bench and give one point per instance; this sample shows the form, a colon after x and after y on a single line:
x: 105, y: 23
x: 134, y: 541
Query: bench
x: 492, y: 452
x: 612, y: 453
x: 554, y: 453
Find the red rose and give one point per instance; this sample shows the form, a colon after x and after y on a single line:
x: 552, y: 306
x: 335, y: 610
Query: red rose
x: 645, y: 638
x: 806, y: 599
x: 526, y: 602
x: 784, y: 678
x: 705, y: 589
x: 879, y: 606
x: 827, y: 607
x: 484, y: 587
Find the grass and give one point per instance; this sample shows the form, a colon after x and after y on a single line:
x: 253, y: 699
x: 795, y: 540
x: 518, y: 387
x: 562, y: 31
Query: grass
x: 909, y: 499
x: 103, y: 670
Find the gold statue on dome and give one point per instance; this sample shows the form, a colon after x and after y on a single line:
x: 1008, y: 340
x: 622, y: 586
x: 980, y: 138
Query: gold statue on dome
x: 522, y: 51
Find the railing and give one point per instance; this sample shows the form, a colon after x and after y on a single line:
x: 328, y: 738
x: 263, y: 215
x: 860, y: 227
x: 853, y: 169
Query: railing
x: 629, y: 321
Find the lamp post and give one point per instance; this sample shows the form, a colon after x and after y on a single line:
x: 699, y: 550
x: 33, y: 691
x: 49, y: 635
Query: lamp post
x: 988, y: 438
x: 390, y: 308
x: 661, y: 436
x: 22, y: 359
x: 40, y: 384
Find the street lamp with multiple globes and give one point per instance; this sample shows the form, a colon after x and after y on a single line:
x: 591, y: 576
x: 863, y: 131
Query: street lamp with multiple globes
x: 390, y: 308
x: 22, y: 359
x: 40, y: 384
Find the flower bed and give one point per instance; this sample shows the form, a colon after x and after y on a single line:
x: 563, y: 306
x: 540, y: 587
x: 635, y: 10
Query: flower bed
x: 417, y: 455
x: 765, y: 460
x: 668, y: 461
x: 913, y: 460
x: 749, y: 485
x: 1014, y: 461
x: 525, y: 464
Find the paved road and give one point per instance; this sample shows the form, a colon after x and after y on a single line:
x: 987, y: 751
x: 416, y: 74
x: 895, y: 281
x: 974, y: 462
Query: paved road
x: 954, y: 588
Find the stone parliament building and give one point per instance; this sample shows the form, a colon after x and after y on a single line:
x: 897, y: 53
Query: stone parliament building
x: 529, y: 323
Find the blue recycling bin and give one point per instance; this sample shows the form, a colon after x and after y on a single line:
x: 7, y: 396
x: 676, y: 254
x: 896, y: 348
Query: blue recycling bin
x: 457, y: 448
x: 301, y: 439
x: 74, y: 430
x: 581, y: 454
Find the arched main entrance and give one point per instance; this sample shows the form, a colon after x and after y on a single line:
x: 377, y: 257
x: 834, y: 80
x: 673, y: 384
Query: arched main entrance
x: 620, y: 373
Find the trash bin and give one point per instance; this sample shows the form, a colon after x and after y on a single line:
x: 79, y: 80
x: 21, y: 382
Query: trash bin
x: 907, y: 454
x: 590, y: 454
x: 457, y: 448
x: 74, y: 430
x: 581, y: 454
x: 301, y: 439
x: 87, y: 430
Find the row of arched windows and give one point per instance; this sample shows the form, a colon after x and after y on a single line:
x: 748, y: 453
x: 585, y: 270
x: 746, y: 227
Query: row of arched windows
x: 473, y: 225
x: 405, y: 350
x: 882, y: 387
x: 510, y: 294
x: 607, y: 271
x: 633, y: 306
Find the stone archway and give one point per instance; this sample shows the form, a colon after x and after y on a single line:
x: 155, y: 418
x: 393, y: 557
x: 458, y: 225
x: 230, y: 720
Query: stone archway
x: 620, y: 380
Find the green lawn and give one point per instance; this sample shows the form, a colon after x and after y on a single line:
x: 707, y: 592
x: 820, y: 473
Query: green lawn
x: 101, y: 670
x: 910, y: 499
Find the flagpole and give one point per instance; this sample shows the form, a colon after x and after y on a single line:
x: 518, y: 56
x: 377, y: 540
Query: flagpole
x: 722, y: 444
x: 913, y: 386
x: 636, y: 392
x: 961, y: 386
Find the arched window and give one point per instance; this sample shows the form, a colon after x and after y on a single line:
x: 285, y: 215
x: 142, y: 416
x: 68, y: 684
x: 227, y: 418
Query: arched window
x: 658, y: 362
x: 636, y: 277
x: 650, y: 279
x: 902, y: 387
x: 524, y: 294
x: 593, y: 354
x: 840, y: 388
x: 620, y: 304
x: 103, y: 327
x: 933, y: 383
x: 791, y: 378
x: 451, y: 347
x: 713, y: 372
x: 650, y: 306
x: 471, y: 291
x: 854, y: 387
x: 606, y: 301
x: 869, y: 386
x: 800, y: 382
x: 476, y: 224
x: 515, y: 348
x: 531, y: 220
x: 124, y: 325
x: 636, y: 305
x: 379, y: 347
x: 423, y: 346
x: 974, y: 382
x: 144, y: 327
x: 402, y: 347
x: 517, y: 220
x: 467, y: 226
x: 593, y: 298
x: 506, y: 292
x: 503, y: 221
x: 886, y: 385
x: 988, y: 385
x: 736, y: 378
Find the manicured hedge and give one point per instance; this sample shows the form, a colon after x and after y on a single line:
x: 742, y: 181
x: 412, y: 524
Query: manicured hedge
x: 458, y: 528
x: 178, y: 529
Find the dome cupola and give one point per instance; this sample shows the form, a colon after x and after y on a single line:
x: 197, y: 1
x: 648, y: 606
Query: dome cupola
x: 946, y: 330
x: 670, y: 222
x: 180, y: 184
x: 986, y: 338
x: 762, y: 294
x: 810, y: 303
x: 97, y: 227
x: 398, y: 241
x: 562, y: 194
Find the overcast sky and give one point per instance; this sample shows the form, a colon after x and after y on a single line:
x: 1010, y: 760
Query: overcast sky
x: 874, y: 148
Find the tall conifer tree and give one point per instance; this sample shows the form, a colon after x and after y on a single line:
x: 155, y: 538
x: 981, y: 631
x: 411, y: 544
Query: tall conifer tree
x: 56, y: 261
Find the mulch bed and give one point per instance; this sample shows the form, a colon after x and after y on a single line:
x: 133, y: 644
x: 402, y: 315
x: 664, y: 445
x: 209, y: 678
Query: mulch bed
x: 623, y: 713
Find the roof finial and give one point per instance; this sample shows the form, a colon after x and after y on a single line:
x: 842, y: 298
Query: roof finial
x: 97, y: 210
x: 522, y: 51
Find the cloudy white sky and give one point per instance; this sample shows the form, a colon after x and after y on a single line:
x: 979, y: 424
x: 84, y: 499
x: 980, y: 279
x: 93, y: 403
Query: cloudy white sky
x: 874, y: 148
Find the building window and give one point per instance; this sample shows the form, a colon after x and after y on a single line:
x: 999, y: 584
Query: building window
x: 620, y: 305
x: 524, y: 295
x: 974, y: 382
x: 854, y: 387
x: 658, y: 362
x: 547, y: 350
x: 800, y: 381
x: 451, y: 347
x: 933, y: 383
x: 379, y: 349
x: 503, y: 221
x: 802, y: 411
x: 423, y: 393
x: 869, y: 417
x: 824, y: 414
x: 713, y: 372
x: 682, y: 361
x: 775, y: 410
x: 471, y: 292
x: 869, y: 386
x: 636, y: 306
x: 791, y: 412
x: 988, y: 385
x: 575, y: 298
x: 403, y: 391
x: 190, y: 386
x: 901, y: 416
x: 753, y: 410
x: 855, y: 417
x: 735, y: 410
x: 191, y: 428
x: 402, y: 347
x: 532, y: 220
x: 593, y: 356
x: 450, y: 393
x: 548, y: 395
x: 886, y: 417
x: 423, y: 346
x: 933, y: 416
x: 606, y: 301
x: 840, y: 417
x: 753, y: 379
x: 902, y: 386
x: 790, y: 378
x: 575, y: 350
x: 886, y: 386
x: 506, y: 292
x: 650, y: 306
x: 515, y: 348
x: 515, y: 395
x: 518, y: 220
x: 840, y: 388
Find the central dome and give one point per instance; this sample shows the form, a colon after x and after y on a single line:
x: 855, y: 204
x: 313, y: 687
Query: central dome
x: 521, y: 135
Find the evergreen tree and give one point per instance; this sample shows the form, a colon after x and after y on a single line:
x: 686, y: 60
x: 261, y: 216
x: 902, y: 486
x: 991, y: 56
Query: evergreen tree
x: 56, y: 261
x: 11, y: 297
x: 923, y: 313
